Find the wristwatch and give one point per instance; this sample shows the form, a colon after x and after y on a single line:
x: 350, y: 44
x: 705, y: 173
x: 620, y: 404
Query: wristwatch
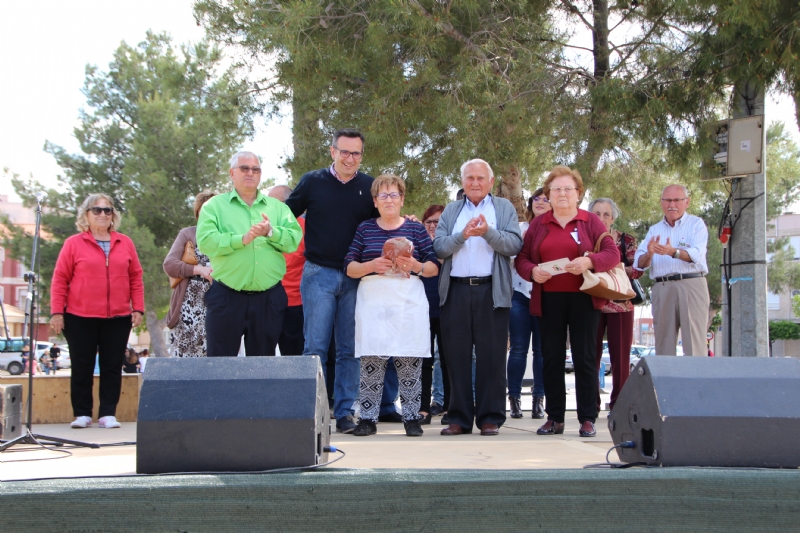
x: 677, y: 254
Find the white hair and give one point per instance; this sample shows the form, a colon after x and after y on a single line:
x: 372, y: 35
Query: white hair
x: 237, y: 155
x: 473, y: 161
x: 610, y: 202
x: 685, y: 190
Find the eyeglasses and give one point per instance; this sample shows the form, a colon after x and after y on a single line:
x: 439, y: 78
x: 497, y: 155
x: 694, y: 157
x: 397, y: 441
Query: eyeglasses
x: 541, y: 199
x: 433, y: 223
x: 97, y: 210
x: 347, y: 153
x: 392, y: 195
x: 246, y: 169
x: 565, y: 190
x: 672, y: 200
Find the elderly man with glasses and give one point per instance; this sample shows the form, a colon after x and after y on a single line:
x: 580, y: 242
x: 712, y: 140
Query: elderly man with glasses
x: 675, y: 252
x: 336, y: 200
x: 245, y: 234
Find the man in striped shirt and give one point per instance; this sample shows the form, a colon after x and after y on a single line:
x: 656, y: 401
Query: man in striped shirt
x: 675, y: 252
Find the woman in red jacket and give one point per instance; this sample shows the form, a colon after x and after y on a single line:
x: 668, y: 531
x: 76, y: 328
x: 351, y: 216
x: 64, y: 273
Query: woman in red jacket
x: 566, y: 233
x: 96, y: 296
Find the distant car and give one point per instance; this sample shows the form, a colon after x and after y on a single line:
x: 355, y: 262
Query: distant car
x: 11, y: 355
x: 568, y: 364
x: 64, y: 360
x: 647, y: 352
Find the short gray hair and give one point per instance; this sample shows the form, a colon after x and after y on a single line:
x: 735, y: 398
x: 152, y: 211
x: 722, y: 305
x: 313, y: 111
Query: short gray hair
x: 614, y: 209
x: 280, y: 192
x: 82, y: 221
x: 685, y: 190
x: 237, y: 155
x: 473, y: 161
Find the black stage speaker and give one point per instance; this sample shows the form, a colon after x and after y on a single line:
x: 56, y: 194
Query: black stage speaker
x: 710, y: 411
x: 221, y: 414
x: 10, y: 412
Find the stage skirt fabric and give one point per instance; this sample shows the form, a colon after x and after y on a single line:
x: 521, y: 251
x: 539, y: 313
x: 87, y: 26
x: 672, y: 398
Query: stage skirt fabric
x: 392, y: 317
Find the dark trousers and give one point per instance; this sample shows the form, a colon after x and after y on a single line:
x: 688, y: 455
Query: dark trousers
x: 470, y: 319
x: 291, y: 341
x: 230, y: 314
x: 574, y: 311
x: 619, y: 329
x: 88, y: 337
x: 427, y: 369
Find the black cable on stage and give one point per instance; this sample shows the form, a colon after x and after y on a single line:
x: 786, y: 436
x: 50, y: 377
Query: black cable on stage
x: 166, y: 474
x: 609, y: 464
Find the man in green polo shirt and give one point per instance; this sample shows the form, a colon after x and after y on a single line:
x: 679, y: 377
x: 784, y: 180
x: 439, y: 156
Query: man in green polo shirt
x: 245, y: 234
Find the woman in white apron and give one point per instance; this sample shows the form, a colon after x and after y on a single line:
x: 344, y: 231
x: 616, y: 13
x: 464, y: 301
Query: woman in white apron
x: 391, y: 306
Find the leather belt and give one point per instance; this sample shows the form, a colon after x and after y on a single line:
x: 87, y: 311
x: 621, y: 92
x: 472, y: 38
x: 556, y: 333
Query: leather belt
x: 676, y: 277
x: 473, y: 281
x: 240, y: 292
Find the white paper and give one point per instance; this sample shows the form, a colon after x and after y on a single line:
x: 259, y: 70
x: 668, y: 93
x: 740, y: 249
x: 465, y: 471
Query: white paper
x: 554, y: 268
x: 745, y: 146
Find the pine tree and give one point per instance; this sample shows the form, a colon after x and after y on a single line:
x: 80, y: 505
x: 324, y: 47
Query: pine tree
x: 159, y: 127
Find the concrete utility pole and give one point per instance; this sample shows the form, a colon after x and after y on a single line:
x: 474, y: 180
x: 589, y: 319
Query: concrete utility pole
x: 749, y: 327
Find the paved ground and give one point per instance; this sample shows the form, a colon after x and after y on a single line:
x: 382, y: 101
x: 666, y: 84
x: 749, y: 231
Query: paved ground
x: 517, y: 447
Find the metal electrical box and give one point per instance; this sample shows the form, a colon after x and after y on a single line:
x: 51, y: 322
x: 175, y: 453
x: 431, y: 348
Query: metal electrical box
x: 738, y: 148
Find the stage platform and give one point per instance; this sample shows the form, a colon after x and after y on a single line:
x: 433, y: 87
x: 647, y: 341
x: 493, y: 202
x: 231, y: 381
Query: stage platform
x: 515, y: 481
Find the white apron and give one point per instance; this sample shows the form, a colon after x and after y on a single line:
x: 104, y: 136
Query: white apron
x: 392, y: 317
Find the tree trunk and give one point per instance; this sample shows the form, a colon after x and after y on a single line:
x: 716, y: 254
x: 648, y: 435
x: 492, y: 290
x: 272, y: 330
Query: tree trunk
x: 306, y: 136
x: 510, y: 187
x: 158, y: 347
x: 598, y: 126
x: 796, y: 97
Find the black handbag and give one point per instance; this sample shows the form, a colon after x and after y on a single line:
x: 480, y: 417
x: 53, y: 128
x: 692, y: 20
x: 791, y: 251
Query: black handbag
x: 640, y: 297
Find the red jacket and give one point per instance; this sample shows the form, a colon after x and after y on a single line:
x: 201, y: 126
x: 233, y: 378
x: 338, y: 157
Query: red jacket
x: 588, y: 231
x: 294, y: 269
x: 87, y: 284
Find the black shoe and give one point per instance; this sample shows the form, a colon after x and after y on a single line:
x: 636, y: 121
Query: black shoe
x: 587, y: 430
x: 445, y: 420
x: 413, y: 429
x: 436, y: 409
x: 365, y: 428
x: 538, y: 407
x: 551, y: 427
x: 391, y: 417
x: 516, y: 407
x: 425, y: 420
x: 346, y: 424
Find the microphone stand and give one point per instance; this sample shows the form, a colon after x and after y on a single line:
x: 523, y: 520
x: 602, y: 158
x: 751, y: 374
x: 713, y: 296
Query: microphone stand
x: 30, y: 305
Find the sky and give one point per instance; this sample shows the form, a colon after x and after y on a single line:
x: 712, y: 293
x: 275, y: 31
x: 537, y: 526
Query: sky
x: 45, y: 46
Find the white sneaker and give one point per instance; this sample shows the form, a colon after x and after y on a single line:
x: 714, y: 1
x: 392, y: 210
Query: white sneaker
x: 108, y: 422
x: 81, y: 422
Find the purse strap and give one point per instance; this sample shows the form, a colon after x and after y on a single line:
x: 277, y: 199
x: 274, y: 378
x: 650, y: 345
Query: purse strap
x: 600, y: 239
x: 624, y: 251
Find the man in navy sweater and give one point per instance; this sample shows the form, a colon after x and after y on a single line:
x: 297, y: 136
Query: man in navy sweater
x: 336, y: 200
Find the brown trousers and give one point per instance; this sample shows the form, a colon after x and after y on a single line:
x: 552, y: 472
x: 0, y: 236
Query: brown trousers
x: 681, y: 305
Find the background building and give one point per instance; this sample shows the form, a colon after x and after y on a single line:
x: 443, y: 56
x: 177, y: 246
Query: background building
x: 779, y: 306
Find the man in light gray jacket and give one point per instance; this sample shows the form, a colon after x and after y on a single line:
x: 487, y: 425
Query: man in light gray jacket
x: 476, y: 238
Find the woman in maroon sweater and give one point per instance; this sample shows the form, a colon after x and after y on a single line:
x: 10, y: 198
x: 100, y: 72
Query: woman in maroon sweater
x: 566, y: 232
x: 96, y: 296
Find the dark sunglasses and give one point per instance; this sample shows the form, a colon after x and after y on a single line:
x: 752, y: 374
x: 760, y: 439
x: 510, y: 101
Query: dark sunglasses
x: 97, y: 210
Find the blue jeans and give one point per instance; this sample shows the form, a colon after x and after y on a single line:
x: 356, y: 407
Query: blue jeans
x: 523, y: 329
x: 330, y: 303
x: 391, y: 389
x: 438, y: 382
